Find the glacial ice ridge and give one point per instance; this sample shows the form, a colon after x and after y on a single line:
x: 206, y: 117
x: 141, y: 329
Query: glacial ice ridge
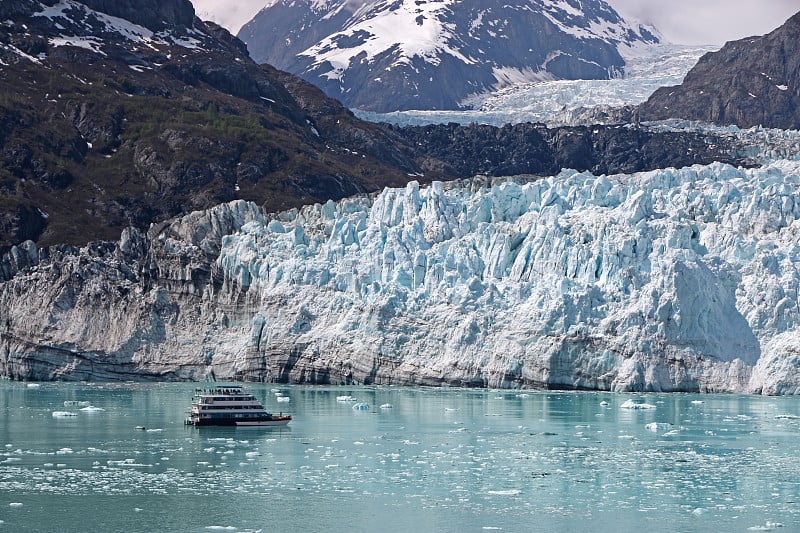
x: 669, y: 280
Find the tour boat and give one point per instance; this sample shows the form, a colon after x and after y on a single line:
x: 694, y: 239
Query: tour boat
x: 231, y: 405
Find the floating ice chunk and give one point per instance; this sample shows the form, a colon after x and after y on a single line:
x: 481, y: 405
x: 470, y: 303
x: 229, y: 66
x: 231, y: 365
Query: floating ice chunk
x: 387, y: 406
x: 221, y: 528
x: 630, y: 404
x: 346, y: 399
x: 511, y: 492
x: 33, y: 386
x: 697, y: 402
x: 787, y: 416
x: 283, y: 399
x: 658, y: 426
x: 768, y: 526
x: 76, y: 403
x: 276, y: 391
x: 361, y: 406
x: 15, y: 504
x: 92, y: 409
x: 64, y: 414
x: 604, y: 403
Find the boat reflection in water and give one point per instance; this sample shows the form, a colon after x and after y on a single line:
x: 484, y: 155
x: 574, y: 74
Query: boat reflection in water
x: 231, y: 405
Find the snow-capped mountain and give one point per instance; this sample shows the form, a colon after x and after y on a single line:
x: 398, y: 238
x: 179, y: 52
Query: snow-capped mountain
x: 386, y: 55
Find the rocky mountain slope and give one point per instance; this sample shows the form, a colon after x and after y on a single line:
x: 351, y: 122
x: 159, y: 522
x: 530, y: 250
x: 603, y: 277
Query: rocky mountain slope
x: 671, y: 280
x: 750, y: 82
x: 124, y: 113
x: 384, y: 56
x: 108, y: 122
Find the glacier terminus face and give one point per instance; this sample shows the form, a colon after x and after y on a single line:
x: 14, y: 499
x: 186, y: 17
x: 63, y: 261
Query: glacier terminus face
x: 667, y: 280
x: 670, y: 280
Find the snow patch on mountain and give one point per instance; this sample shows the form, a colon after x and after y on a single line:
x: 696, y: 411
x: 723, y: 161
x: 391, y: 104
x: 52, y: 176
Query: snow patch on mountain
x: 410, y: 29
x: 84, y: 27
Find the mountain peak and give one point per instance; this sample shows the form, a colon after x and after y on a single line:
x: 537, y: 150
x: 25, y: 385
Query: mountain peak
x: 156, y: 15
x: 386, y: 55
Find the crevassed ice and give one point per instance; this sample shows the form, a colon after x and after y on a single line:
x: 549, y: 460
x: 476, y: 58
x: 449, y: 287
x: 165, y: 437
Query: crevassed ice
x: 664, y: 280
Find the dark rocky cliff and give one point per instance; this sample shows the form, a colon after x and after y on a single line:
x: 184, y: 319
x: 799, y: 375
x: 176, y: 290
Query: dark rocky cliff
x: 749, y: 82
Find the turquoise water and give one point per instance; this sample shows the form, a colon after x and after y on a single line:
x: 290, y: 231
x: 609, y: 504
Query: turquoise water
x: 437, y: 460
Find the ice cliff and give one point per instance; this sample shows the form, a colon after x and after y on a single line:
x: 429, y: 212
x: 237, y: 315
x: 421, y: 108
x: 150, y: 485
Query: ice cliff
x: 671, y: 280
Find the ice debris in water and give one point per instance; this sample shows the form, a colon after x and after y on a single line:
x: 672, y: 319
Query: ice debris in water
x: 92, y: 409
x: 387, y: 406
x: 630, y: 404
x: 283, y: 399
x: 345, y: 399
x: 361, y: 406
x: 658, y: 426
x: 768, y: 526
x: 76, y: 403
x: 64, y: 414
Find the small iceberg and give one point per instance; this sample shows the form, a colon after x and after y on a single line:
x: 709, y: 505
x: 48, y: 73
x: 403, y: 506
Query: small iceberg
x: 92, y: 409
x: 604, y: 403
x: 346, y: 399
x: 283, y: 399
x: 787, y: 416
x: 76, y: 403
x: 511, y: 492
x: 387, y: 406
x: 630, y: 404
x: 361, y: 406
x: 64, y: 414
x: 769, y: 526
x: 33, y: 386
x: 659, y: 426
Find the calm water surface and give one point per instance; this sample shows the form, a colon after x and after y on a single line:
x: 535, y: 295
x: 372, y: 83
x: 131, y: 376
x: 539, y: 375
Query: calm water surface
x: 436, y: 460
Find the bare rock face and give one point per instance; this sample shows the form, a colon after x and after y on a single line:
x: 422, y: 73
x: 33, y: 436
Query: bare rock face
x: 153, y: 14
x: 749, y: 82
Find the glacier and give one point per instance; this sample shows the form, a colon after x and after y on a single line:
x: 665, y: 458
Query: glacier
x: 564, y: 102
x: 670, y: 280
